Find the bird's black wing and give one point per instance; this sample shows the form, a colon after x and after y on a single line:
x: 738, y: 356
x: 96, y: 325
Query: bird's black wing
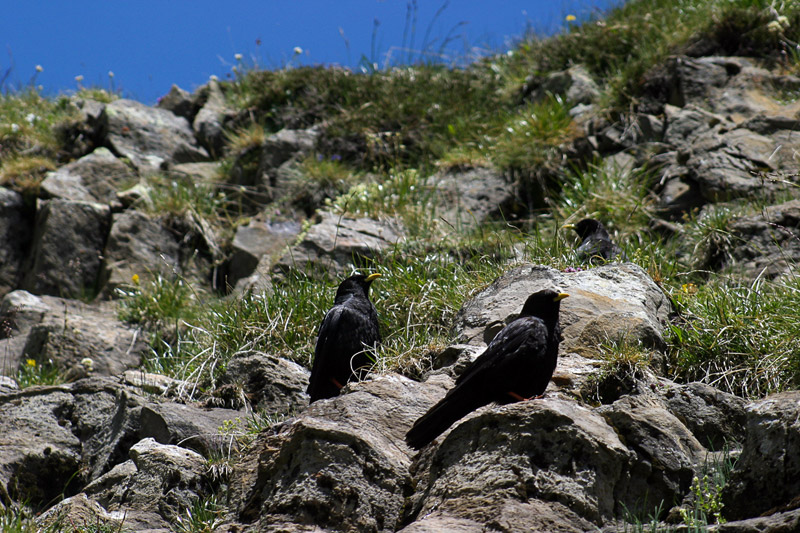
x: 343, y: 333
x: 493, y: 374
x: 506, y: 341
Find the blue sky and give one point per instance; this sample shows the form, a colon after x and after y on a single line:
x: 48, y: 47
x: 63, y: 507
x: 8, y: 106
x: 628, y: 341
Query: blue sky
x: 149, y: 45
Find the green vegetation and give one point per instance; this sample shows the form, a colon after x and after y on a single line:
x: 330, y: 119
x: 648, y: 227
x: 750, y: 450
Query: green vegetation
x: 740, y: 338
x: 383, y: 133
x: 620, y: 49
x: 32, y: 372
x: 204, y: 516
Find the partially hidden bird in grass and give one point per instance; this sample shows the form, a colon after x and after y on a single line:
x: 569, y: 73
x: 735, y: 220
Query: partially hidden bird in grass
x: 596, y: 245
x: 517, y: 365
x: 346, y: 335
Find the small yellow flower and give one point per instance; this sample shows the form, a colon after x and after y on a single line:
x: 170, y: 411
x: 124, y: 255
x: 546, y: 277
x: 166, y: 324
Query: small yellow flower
x: 31, y: 363
x: 135, y: 279
x: 689, y: 288
x: 571, y: 18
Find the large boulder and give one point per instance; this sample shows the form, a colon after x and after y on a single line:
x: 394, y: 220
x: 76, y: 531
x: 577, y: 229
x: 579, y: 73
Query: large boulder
x: 767, y: 475
x: 40, y: 455
x: 93, y: 178
x: 766, y: 244
x: 666, y: 451
x: 271, y: 384
x: 64, y: 332
x: 341, y: 464
x: 714, y: 417
x: 58, y: 438
x: 465, y: 199
x: 212, y: 120
x: 256, y: 244
x: 16, y: 230
x: 150, y: 137
x: 339, y: 242
x: 156, y: 486
x: 614, y: 301
x: 552, y: 454
x: 67, y: 248
x: 137, y: 245
x: 180, y: 102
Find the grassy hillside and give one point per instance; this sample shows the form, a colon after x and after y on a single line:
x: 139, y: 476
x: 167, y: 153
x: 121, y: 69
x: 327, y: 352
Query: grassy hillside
x: 385, y: 132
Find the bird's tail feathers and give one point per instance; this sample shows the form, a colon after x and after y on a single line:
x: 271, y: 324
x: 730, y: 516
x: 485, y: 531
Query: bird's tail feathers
x: 441, y: 416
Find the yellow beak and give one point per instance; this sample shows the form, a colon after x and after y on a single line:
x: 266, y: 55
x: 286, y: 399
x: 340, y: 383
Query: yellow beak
x: 561, y: 296
x: 373, y: 277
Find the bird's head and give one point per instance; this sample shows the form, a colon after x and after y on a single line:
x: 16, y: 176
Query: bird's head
x: 586, y: 227
x: 544, y: 304
x: 357, y: 283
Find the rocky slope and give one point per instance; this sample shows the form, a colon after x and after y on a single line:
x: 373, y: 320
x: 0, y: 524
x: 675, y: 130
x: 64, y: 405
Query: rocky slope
x: 121, y: 446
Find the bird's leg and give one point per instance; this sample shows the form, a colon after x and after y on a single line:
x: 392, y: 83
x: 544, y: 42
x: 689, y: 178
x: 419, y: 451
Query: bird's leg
x: 521, y: 399
x: 338, y: 385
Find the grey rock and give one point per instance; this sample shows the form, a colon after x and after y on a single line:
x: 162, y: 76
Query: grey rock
x: 137, y: 245
x: 550, y: 450
x: 40, y: 456
x: 465, y: 199
x: 67, y: 245
x: 16, y: 230
x: 766, y: 244
x: 87, y: 131
x: 63, y: 332
x: 93, y: 178
x: 153, y: 488
x: 179, y: 102
x: 81, y: 513
x: 338, y: 242
x: 679, y: 196
x: 767, y: 475
x: 188, y: 426
x: 156, y: 383
x: 780, y: 522
x: 688, y: 124
x: 339, y: 465
x: 258, y: 241
x: 152, y: 138
x: 271, y: 384
x: 509, y: 516
x: 284, y: 145
x: 666, y: 450
x: 575, y: 84
x: 611, y: 301
x: 211, y: 121
x: 729, y: 166
x: 714, y: 417
x: 21, y: 310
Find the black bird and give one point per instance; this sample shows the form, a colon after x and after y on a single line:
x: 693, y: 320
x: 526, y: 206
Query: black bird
x: 596, y: 245
x: 517, y: 365
x: 348, y: 331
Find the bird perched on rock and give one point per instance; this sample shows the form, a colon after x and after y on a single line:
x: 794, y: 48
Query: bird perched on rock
x: 596, y: 244
x: 517, y: 365
x: 348, y: 331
